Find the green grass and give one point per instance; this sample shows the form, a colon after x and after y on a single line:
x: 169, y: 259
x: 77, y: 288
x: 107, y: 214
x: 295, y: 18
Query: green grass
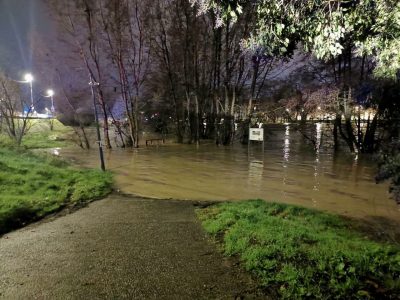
x: 40, y: 135
x: 300, y: 253
x: 32, y: 186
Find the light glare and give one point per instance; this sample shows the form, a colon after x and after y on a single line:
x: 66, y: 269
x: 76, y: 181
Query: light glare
x: 28, y: 77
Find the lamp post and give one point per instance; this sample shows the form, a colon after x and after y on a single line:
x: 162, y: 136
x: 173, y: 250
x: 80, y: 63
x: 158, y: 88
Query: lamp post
x: 93, y: 83
x: 29, y: 79
x: 50, y: 93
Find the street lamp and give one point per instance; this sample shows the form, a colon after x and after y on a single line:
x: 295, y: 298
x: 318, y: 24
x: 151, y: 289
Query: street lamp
x: 92, y: 84
x: 50, y: 93
x: 29, y: 79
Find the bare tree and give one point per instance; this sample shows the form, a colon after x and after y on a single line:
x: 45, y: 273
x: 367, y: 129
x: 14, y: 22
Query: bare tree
x: 78, y: 21
x: 129, y: 49
x: 14, y: 111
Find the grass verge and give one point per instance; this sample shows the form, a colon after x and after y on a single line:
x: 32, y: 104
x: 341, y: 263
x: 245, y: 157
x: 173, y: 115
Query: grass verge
x: 32, y: 186
x: 301, y: 253
x: 43, y: 133
x: 42, y: 136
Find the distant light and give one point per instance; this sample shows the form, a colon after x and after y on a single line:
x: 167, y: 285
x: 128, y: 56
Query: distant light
x: 50, y: 93
x: 319, y: 107
x: 287, y: 109
x: 28, y: 77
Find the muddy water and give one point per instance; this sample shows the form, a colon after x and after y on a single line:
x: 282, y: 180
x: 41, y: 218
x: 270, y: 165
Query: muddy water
x: 287, y: 171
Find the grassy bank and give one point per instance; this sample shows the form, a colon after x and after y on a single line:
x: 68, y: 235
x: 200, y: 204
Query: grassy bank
x: 301, y: 253
x: 42, y: 136
x: 32, y: 186
x: 43, y: 133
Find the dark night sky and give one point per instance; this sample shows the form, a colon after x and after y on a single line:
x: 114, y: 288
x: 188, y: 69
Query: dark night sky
x: 17, y: 19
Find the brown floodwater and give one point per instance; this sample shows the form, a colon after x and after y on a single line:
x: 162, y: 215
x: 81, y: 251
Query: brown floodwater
x: 288, y: 171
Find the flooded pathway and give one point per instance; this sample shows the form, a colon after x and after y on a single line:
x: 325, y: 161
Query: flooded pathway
x: 287, y: 171
x: 134, y: 248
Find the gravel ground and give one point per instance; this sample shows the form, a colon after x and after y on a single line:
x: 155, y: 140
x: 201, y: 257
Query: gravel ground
x: 120, y: 247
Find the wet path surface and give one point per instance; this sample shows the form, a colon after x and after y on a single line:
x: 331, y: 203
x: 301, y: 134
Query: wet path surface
x: 117, y: 248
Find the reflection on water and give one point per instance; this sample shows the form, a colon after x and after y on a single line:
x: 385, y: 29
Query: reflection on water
x: 286, y: 145
x: 295, y: 173
x: 256, y: 169
x: 318, y: 135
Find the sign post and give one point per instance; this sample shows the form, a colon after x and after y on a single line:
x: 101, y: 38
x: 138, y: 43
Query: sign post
x: 256, y: 134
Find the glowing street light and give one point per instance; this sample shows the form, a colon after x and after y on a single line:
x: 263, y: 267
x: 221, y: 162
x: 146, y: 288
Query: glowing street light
x: 29, y: 79
x: 50, y: 93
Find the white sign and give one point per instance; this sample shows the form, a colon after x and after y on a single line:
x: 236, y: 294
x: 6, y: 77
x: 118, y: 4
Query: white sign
x: 256, y: 134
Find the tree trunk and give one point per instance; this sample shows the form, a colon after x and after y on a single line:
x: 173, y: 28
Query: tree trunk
x: 369, y: 139
x: 197, y: 123
x: 336, y: 125
x: 136, y: 122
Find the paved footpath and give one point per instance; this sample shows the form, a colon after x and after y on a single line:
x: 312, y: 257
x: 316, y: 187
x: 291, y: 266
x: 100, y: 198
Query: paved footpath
x: 119, y: 248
